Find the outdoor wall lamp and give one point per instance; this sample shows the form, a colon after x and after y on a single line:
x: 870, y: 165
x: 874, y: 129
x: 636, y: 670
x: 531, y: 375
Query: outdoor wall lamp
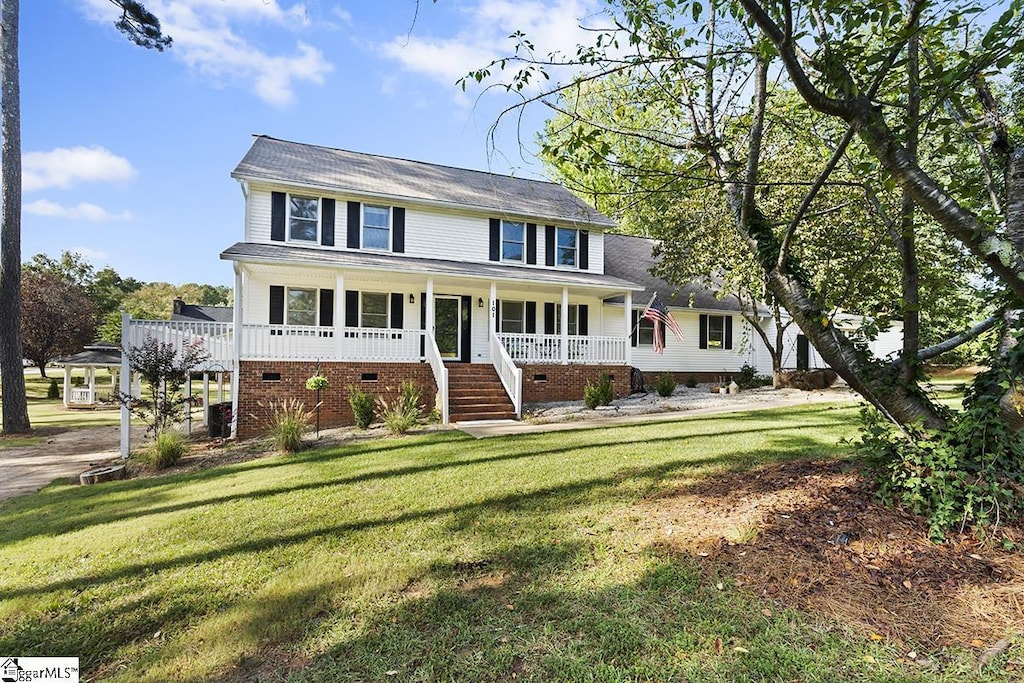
x: 480, y: 302
x: 412, y: 298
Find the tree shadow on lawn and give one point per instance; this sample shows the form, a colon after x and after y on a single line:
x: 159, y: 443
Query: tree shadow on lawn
x: 136, y: 498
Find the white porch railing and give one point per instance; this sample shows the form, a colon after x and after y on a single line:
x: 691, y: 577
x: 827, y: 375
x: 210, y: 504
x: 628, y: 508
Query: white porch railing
x: 82, y: 396
x: 511, y: 376
x: 296, y: 342
x: 547, y: 348
x: 433, y: 355
x: 218, y: 338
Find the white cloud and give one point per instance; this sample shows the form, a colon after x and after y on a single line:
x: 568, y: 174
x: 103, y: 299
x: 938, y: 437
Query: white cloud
x: 206, y: 37
x: 64, y: 167
x: 550, y: 26
x: 83, y: 211
x: 94, y: 256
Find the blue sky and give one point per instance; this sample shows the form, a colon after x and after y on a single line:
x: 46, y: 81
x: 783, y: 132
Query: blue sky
x: 127, y: 152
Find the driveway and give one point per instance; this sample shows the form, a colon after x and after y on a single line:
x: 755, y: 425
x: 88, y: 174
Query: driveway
x: 62, y: 455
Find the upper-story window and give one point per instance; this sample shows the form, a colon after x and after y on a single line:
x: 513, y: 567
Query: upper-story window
x: 373, y: 310
x: 512, y: 241
x: 566, y: 240
x: 303, y: 218
x: 376, y: 227
x: 513, y: 317
x: 300, y: 308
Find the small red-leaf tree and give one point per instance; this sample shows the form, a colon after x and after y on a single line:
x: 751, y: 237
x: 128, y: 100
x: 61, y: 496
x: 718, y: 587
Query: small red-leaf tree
x: 57, y: 318
x: 164, y: 370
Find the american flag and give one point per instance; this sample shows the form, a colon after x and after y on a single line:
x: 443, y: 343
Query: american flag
x: 658, y: 312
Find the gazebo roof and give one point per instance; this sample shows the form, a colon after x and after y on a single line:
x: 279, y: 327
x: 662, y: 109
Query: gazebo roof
x: 95, y: 355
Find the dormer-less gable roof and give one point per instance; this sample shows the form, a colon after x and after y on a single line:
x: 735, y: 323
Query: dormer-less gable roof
x: 345, y: 172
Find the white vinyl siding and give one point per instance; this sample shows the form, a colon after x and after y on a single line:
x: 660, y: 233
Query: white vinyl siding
x: 258, y: 215
x: 446, y: 235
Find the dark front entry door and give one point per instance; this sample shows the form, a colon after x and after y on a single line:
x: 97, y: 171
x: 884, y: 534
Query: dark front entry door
x: 803, y: 353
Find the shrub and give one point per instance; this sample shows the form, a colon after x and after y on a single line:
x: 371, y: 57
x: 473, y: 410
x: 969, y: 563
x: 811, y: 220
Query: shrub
x: 363, y: 406
x: 691, y: 382
x: 53, y: 391
x: 969, y: 474
x: 600, y: 394
x: 166, y: 450
x: 665, y: 384
x: 749, y: 379
x: 404, y: 411
x: 288, y: 422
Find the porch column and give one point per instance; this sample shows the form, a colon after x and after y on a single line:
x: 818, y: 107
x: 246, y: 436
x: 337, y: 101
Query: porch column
x: 493, y: 305
x: 126, y: 385
x: 206, y: 398
x: 430, y: 306
x: 235, y: 370
x: 90, y: 378
x: 564, y: 322
x: 339, y: 316
x: 627, y: 302
x: 67, y: 384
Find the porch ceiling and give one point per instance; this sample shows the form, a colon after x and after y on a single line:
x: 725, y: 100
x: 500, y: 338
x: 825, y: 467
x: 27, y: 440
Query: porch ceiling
x: 419, y: 268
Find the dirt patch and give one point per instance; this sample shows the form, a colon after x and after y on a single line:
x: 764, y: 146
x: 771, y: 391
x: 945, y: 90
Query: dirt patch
x: 811, y: 536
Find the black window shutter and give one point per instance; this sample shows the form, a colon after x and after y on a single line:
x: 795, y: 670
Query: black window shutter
x: 531, y: 243
x: 398, y: 238
x: 276, y: 305
x: 581, y: 319
x: 397, y: 312
x: 584, y: 244
x: 549, y: 245
x: 497, y: 315
x: 495, y: 239
x: 326, y: 308
x: 466, y: 322
x: 351, y: 308
x: 423, y: 323
x: 531, y: 317
x: 354, y: 221
x: 277, y: 216
x: 728, y: 331
x: 549, y: 317
x: 703, y: 339
x: 327, y: 222
x: 635, y: 335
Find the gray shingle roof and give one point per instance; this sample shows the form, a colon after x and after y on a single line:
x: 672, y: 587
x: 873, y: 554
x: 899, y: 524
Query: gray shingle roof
x: 270, y: 253
x: 631, y: 258
x: 295, y: 163
x: 220, y: 314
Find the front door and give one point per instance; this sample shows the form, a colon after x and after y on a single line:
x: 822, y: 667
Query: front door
x: 448, y: 326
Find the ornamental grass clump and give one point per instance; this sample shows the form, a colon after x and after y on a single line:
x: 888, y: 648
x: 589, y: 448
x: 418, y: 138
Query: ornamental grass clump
x: 401, y: 414
x: 289, y: 420
x: 168, y: 448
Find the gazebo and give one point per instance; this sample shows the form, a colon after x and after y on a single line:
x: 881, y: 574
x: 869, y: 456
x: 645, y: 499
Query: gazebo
x: 94, y: 356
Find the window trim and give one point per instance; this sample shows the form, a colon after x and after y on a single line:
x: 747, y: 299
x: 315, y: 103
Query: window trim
x: 387, y: 310
x: 575, y: 250
x: 720, y: 346
x: 522, y: 243
x: 644, y: 325
x: 501, y: 317
x: 288, y: 307
x: 288, y: 218
x: 362, y: 226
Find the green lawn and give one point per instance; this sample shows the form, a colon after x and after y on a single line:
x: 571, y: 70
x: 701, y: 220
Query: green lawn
x: 429, y: 558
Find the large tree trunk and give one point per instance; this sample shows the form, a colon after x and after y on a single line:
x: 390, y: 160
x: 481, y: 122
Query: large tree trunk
x: 12, y: 372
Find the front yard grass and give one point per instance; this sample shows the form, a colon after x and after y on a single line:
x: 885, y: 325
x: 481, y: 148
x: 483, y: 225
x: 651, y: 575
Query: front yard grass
x: 428, y: 558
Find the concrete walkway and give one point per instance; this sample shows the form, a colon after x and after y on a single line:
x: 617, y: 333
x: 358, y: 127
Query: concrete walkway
x: 487, y: 428
x: 60, y: 456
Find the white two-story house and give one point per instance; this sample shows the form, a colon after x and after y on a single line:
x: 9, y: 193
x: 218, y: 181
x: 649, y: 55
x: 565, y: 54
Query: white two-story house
x: 487, y: 291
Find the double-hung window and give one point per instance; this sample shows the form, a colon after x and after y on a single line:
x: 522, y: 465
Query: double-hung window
x: 376, y: 227
x: 300, y: 308
x: 645, y: 332
x: 303, y: 218
x: 716, y: 331
x: 512, y: 241
x: 566, y: 240
x: 513, y: 317
x: 573, y: 319
x: 373, y: 310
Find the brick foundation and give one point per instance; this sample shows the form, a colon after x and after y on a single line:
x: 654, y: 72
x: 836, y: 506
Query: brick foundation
x: 566, y: 382
x: 701, y: 377
x: 263, y: 382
